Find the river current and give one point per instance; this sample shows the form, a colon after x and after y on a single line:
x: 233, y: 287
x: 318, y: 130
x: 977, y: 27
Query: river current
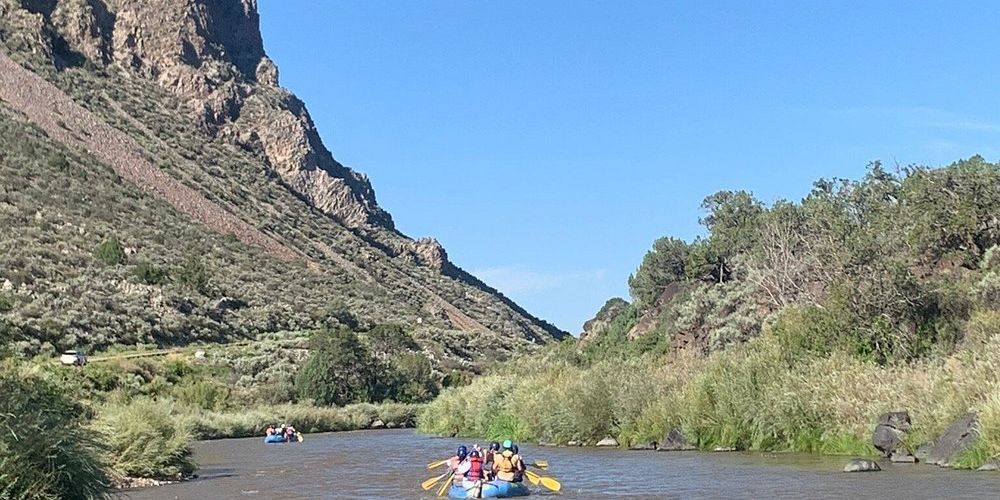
x: 392, y: 463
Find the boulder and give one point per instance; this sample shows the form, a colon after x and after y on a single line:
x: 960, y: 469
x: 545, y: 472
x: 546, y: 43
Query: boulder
x: 377, y: 424
x: 650, y: 446
x: 991, y: 465
x: 957, y: 438
x: 724, y: 448
x: 923, y: 451
x: 391, y: 425
x: 899, y: 420
x: 675, y: 441
x: 903, y: 456
x: 861, y: 465
x: 886, y: 439
x: 890, y: 430
x: 574, y: 443
x: 608, y: 442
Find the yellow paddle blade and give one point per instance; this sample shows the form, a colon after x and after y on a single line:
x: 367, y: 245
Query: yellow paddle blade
x: 437, y: 464
x: 532, y: 477
x: 550, y: 483
x: 444, y: 486
x: 300, y: 438
x: 547, y: 482
x: 428, y: 484
x: 541, y: 464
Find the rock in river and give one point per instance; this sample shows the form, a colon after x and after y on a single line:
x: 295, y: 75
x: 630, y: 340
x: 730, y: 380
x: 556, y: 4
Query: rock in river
x: 861, y: 465
x: 608, y: 442
x: 889, y: 433
x: 675, y: 441
x: 957, y: 438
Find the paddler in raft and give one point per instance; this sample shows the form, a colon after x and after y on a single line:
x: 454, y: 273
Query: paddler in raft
x: 507, y: 465
x: 455, y: 462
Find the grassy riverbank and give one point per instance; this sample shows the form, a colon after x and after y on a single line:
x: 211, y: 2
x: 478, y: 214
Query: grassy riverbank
x: 758, y: 396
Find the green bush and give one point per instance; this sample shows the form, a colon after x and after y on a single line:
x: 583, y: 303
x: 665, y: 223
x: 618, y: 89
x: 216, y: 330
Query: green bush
x: 110, y: 252
x: 145, y: 439
x: 340, y: 370
x: 149, y: 274
x: 46, y: 452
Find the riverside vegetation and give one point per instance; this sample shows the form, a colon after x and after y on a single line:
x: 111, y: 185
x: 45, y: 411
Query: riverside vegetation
x: 788, y: 327
x: 78, y: 431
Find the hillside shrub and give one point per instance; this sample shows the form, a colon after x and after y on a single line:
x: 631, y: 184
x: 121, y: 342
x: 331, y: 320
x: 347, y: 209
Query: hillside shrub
x: 110, y: 252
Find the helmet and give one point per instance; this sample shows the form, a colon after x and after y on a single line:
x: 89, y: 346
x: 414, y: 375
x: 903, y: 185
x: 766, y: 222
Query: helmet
x: 474, y: 454
x: 514, y: 449
x: 495, y: 446
x: 462, y: 451
x: 507, y: 444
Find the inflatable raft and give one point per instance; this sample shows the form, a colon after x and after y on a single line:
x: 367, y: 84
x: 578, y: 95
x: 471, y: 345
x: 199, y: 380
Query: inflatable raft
x: 491, y: 489
x: 278, y: 438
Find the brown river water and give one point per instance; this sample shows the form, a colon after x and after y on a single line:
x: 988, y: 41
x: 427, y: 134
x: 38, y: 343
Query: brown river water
x: 392, y: 463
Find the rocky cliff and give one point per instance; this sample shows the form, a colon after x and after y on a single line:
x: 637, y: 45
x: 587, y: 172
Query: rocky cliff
x: 219, y: 114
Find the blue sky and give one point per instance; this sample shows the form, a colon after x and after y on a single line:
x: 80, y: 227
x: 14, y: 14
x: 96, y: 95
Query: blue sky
x: 546, y: 144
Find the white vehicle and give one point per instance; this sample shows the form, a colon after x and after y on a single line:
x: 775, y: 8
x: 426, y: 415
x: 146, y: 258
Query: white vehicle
x: 73, y: 358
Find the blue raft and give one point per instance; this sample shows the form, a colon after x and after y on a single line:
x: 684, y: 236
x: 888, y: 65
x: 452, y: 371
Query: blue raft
x: 279, y: 438
x: 491, y: 489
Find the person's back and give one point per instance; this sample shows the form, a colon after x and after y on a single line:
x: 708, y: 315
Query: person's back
x: 518, y: 464
x: 472, y: 470
x: 456, y: 462
x: 503, y: 463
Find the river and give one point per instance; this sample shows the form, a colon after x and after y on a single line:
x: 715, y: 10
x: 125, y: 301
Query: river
x: 392, y: 463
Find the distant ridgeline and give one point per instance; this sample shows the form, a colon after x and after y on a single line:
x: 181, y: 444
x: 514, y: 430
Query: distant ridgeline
x: 157, y: 186
x: 886, y: 268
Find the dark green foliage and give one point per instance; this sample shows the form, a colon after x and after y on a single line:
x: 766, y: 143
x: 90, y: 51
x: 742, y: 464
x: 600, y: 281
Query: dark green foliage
x: 46, y: 451
x: 408, y: 379
x: 7, y: 302
x: 340, y: 369
x: 149, y: 274
x: 193, y: 275
x: 110, y: 252
x: 870, y: 264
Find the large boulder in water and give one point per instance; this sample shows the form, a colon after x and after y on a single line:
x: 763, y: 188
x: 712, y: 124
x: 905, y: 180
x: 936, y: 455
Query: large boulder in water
x: 861, y: 465
x: 675, y: 441
x: 889, y: 432
x: 608, y: 442
x: 957, y: 438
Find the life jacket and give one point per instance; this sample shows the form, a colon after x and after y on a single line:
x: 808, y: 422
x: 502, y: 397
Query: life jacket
x: 503, y: 463
x: 475, y: 472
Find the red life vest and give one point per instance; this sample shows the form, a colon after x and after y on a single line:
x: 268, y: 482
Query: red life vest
x: 475, y: 472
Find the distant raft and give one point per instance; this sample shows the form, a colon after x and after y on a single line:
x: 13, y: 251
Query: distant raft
x: 279, y: 438
x: 491, y: 489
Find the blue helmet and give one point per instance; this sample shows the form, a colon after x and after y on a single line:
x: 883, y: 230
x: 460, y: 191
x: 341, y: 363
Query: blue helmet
x: 507, y: 444
x: 462, y: 451
x: 514, y: 449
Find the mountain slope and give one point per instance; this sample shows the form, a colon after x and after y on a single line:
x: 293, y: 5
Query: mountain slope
x: 232, y: 220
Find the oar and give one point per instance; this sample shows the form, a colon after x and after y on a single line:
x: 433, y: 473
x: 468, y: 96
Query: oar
x: 539, y: 464
x: 433, y: 465
x: 428, y: 484
x: 547, y: 482
x: 447, y: 481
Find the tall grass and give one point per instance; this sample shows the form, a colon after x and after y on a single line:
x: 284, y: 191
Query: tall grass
x: 145, y: 439
x: 306, y: 418
x: 755, y: 396
x: 46, y: 452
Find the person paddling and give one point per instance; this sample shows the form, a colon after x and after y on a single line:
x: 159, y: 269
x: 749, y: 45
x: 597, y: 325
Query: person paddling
x: 518, y: 464
x: 471, y: 471
x: 270, y: 430
x: 488, y: 460
x: 454, y: 462
x: 507, y: 463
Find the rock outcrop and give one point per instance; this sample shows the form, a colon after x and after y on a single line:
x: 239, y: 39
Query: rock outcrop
x: 889, y: 433
x: 958, y: 437
x: 600, y: 322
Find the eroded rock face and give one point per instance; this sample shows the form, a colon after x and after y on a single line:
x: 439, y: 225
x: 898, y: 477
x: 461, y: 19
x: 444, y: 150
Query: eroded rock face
x: 211, y: 55
x: 600, y: 322
x: 958, y: 437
